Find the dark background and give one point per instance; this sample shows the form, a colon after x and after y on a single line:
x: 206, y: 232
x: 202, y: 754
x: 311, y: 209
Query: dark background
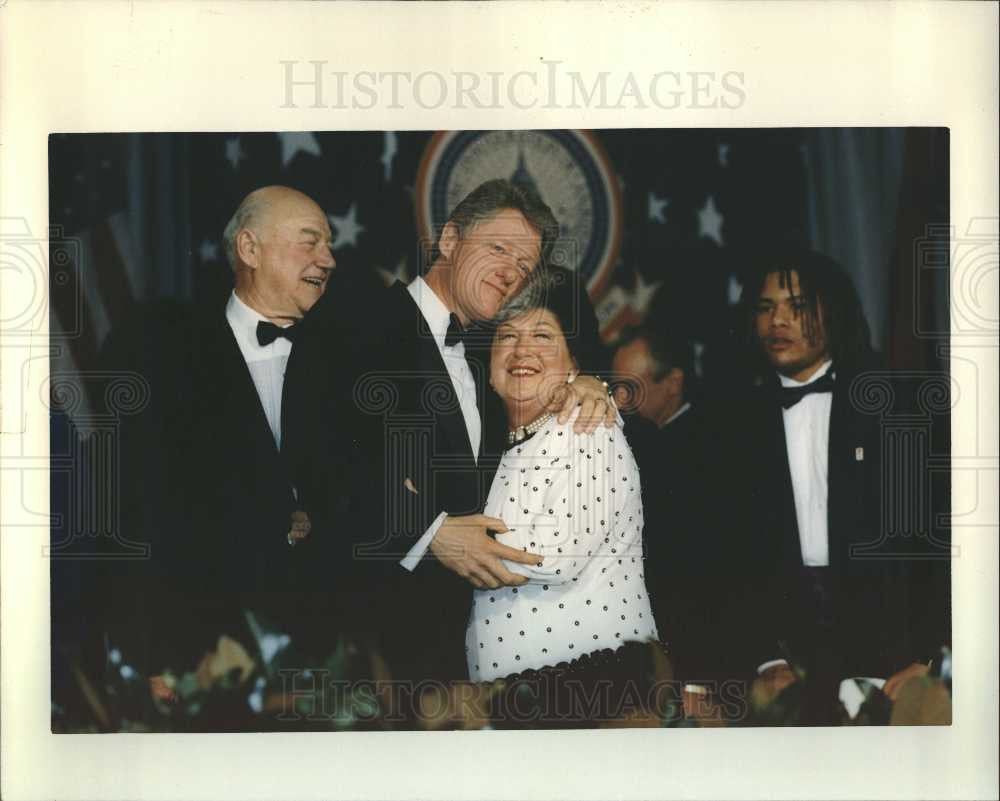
x: 143, y: 216
x: 137, y: 222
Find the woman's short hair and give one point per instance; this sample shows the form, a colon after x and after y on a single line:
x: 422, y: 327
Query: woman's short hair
x: 561, y: 292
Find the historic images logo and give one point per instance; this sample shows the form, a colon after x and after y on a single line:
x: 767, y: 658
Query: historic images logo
x: 569, y: 169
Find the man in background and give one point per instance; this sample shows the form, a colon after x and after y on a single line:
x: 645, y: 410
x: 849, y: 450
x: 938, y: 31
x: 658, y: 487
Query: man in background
x: 656, y: 386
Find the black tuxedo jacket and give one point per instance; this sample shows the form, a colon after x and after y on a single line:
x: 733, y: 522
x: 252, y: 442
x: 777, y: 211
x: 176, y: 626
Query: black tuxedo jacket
x: 874, y: 632
x: 236, y: 482
x: 380, y: 448
x: 683, y: 534
x: 215, y: 494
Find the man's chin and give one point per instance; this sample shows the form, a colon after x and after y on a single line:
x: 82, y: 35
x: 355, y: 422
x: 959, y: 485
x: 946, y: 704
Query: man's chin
x: 487, y: 313
x: 308, y: 298
x: 783, y: 362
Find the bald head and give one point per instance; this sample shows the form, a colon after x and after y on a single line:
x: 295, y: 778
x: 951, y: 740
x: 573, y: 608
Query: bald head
x: 257, y: 209
x: 278, y: 244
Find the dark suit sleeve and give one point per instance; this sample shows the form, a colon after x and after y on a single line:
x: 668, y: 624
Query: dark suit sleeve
x: 349, y: 448
x: 321, y: 442
x: 396, y: 437
x: 744, y: 581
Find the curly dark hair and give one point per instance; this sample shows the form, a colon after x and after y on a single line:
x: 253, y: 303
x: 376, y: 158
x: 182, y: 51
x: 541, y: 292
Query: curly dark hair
x: 823, y: 284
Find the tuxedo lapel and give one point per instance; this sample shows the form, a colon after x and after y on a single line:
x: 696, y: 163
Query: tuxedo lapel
x: 445, y: 405
x: 790, y: 544
x: 440, y: 400
x: 848, y: 459
x: 837, y: 479
x: 845, y: 454
x: 226, y: 382
x: 781, y: 496
x: 236, y: 494
x: 492, y: 414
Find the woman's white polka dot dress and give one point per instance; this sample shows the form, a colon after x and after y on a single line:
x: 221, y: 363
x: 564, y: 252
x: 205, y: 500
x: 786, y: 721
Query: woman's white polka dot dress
x: 575, y: 500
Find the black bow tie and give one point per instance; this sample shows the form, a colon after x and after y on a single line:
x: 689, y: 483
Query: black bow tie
x: 268, y: 332
x: 455, y: 333
x: 789, y: 396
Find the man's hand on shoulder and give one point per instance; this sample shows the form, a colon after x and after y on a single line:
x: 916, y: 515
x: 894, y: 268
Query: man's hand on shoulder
x: 596, y: 405
x: 463, y: 546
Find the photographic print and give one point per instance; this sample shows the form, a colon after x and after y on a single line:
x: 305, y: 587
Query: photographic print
x: 488, y: 399
x: 499, y: 429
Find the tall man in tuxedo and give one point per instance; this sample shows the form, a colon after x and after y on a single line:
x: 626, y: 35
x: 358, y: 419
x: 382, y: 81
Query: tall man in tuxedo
x: 821, y: 602
x: 401, y: 423
x: 234, y: 535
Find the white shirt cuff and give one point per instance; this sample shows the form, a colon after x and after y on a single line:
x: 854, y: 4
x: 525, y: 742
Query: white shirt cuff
x: 416, y: 553
x: 771, y: 664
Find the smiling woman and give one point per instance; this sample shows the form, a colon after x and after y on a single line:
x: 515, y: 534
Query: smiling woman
x: 529, y: 364
x: 572, y: 498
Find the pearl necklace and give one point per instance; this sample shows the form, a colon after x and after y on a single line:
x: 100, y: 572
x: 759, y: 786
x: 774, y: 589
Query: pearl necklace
x: 520, y: 433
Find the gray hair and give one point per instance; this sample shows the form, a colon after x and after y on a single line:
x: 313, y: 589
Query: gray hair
x: 490, y: 198
x: 530, y: 297
x: 561, y: 292
x: 244, y: 217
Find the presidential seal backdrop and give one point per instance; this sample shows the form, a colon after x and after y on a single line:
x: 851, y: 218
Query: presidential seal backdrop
x: 570, y: 171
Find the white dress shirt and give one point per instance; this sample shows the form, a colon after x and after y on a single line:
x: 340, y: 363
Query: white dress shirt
x: 807, y: 440
x: 266, y: 363
x: 575, y: 500
x: 437, y: 316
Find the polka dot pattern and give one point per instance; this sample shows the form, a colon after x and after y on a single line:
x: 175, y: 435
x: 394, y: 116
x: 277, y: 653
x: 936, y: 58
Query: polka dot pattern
x: 589, y: 537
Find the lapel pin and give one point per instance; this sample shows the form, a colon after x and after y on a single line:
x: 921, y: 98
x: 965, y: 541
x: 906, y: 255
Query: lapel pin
x: 859, y: 454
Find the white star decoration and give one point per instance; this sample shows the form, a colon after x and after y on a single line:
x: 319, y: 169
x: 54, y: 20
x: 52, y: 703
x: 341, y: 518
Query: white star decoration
x: 208, y: 251
x: 399, y: 274
x: 347, y: 228
x: 734, y: 290
x: 643, y: 294
x: 699, y: 352
x: 710, y: 221
x: 656, y: 206
x: 234, y: 152
x: 723, y: 155
x: 388, y: 154
x: 292, y: 143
